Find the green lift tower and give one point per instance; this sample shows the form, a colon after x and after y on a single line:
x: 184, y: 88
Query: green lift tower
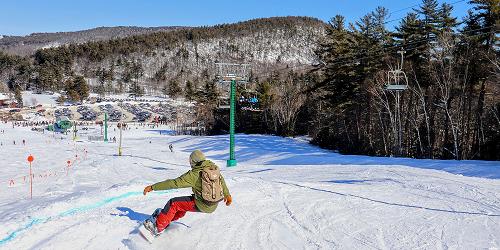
x: 232, y: 73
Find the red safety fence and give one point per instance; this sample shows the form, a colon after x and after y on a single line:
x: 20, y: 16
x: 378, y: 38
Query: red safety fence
x: 48, y: 175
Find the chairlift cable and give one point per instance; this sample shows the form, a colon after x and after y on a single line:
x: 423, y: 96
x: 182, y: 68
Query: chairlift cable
x: 416, y: 5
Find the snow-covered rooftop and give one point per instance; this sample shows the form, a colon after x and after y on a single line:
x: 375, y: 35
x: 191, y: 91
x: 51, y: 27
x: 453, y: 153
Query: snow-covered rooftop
x: 4, y: 97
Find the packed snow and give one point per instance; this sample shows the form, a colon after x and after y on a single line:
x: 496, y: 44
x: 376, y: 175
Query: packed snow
x: 31, y: 99
x: 287, y: 194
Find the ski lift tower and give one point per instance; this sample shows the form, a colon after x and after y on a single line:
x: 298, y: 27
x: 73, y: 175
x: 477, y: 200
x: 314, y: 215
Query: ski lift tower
x: 397, y: 82
x: 232, y: 73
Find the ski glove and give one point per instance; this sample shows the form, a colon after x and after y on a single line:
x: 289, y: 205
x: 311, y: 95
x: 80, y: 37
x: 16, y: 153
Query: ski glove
x: 228, y: 200
x: 147, y: 189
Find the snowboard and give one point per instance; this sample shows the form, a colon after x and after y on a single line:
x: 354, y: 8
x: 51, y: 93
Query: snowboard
x: 148, y: 227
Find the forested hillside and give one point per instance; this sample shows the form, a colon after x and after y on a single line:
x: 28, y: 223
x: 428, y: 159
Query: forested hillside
x: 27, y: 45
x: 160, y: 59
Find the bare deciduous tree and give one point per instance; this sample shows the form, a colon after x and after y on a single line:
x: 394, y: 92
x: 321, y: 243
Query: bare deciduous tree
x: 287, y: 99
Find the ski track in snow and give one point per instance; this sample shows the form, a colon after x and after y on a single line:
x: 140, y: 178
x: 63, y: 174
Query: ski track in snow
x: 69, y: 212
x: 329, y: 205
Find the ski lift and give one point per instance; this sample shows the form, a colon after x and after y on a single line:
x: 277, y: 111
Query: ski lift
x: 249, y: 100
x: 396, y: 79
x: 223, y: 103
x: 397, y: 82
x: 227, y: 72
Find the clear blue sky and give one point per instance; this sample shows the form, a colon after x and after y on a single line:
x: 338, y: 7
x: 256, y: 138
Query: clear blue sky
x: 22, y: 17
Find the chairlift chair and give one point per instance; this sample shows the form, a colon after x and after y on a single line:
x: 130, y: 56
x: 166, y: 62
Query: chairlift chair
x: 251, y: 101
x: 397, y: 79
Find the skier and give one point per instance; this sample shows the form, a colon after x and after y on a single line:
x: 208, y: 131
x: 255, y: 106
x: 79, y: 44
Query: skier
x: 171, y: 147
x: 177, y: 207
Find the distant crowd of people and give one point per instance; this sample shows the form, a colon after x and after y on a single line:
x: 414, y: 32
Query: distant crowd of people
x: 83, y: 123
x: 29, y: 123
x: 162, y: 120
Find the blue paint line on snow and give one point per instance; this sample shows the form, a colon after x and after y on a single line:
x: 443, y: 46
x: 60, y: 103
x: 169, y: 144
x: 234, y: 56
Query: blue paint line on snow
x: 14, y: 234
x: 72, y: 211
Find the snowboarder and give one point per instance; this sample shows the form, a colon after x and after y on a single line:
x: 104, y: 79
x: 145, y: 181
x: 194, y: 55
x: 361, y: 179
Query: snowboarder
x: 205, y: 198
x: 171, y: 147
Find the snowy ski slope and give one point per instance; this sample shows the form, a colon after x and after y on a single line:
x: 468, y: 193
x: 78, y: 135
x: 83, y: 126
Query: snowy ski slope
x: 286, y: 195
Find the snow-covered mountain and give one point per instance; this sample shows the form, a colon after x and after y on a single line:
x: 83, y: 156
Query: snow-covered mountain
x: 154, y: 57
x: 26, y: 45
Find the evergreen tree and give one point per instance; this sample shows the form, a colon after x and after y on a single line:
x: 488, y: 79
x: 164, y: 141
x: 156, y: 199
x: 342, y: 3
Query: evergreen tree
x: 18, y: 96
x: 70, y: 90
x: 487, y: 15
x: 81, y: 87
x: 430, y: 16
x: 47, y: 78
x: 136, y: 90
x: 189, y: 91
x: 417, y: 33
x: 24, y: 72
x: 446, y: 21
x: 336, y: 52
x: 409, y: 36
x: 76, y: 88
x: 371, y: 36
x: 11, y: 83
x: 426, y: 34
x: 207, y: 102
x: 264, y: 94
x: 160, y: 75
x: 164, y: 90
x: 120, y: 86
x: 132, y: 71
x: 105, y: 77
x: 173, y: 88
x: 136, y: 71
x: 209, y: 95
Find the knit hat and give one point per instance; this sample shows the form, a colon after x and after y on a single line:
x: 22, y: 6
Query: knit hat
x: 196, y: 157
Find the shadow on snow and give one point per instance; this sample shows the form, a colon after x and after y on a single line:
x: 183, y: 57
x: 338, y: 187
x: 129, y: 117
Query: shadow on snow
x: 256, y: 149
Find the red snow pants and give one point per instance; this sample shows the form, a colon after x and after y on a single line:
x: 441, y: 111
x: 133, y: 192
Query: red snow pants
x: 175, y: 209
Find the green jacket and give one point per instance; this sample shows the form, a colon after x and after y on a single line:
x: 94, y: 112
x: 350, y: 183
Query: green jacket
x: 192, y: 179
